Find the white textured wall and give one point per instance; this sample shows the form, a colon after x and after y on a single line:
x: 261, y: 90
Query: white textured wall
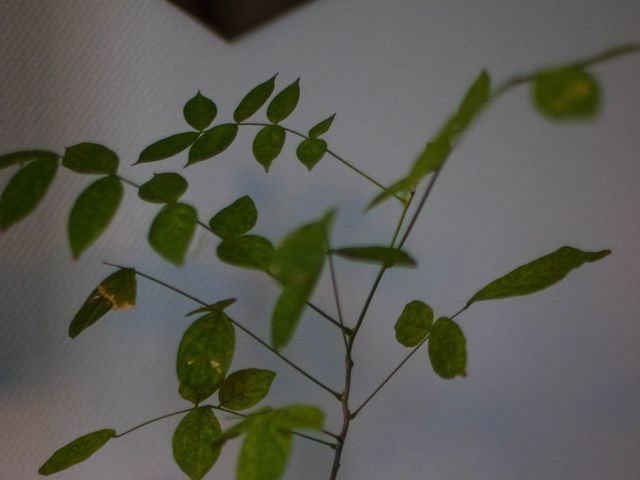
x: 554, y: 379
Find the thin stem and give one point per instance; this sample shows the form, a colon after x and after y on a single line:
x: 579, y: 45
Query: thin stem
x: 239, y: 325
x: 336, y: 294
x: 162, y: 417
x: 333, y: 154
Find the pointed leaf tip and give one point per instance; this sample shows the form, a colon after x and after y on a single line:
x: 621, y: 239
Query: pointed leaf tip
x: 199, y: 111
x: 252, y: 102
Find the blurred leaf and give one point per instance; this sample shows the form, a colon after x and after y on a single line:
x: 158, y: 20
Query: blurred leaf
x: 25, y: 190
x: 245, y: 388
x: 249, y: 251
x: 20, y: 158
x: 295, y: 417
x: 235, y: 219
x: 311, y: 151
x: 214, y: 307
x: 566, y: 94
x: 92, y: 212
x: 284, y: 103
x: 265, y: 452
x: 204, y: 356
x: 268, y: 144
x: 172, y: 230
x: 430, y: 160
x: 537, y: 275
x: 322, y: 127
x: 199, y: 112
x: 168, y: 147
x: 163, y: 188
x: 212, y: 142
x: 414, y: 323
x: 447, y: 349
x: 254, y: 100
x: 287, y: 312
x: 77, y: 451
x: 91, y: 158
x: 387, y: 256
x: 116, y: 292
x: 403, y: 185
x: 195, y: 442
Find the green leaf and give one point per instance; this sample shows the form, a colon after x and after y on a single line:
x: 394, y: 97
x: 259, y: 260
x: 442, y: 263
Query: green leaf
x: 199, y: 112
x: 297, y: 264
x: 77, y: 451
x: 245, y: 388
x: 163, y: 188
x: 212, y: 142
x: 204, y: 356
x: 25, y: 190
x: 284, y: 103
x: 430, y: 160
x: 91, y: 158
x: 254, y: 100
x: 311, y: 151
x: 167, y: 147
x: 172, y: 230
x: 447, y: 349
x: 20, y: 158
x: 322, y: 127
x: 116, y: 292
x: 195, y: 442
x: 268, y: 144
x: 214, y: 307
x: 403, y: 185
x: 414, y: 323
x: 249, y: 251
x: 294, y: 417
x: 265, y: 451
x: 389, y: 257
x: 235, y: 219
x: 92, y: 212
x: 537, y: 275
x: 566, y: 94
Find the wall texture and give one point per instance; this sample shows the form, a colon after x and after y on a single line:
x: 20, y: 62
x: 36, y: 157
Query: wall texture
x: 554, y: 379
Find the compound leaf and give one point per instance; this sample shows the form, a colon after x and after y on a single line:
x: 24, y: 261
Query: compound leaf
x: 172, y: 230
x: 163, y: 188
x: 268, y: 144
x: 254, y: 100
x: 195, y: 442
x: 414, y: 323
x: 25, y: 190
x: 245, y: 388
x: 90, y: 158
x: 235, y: 219
x: 284, y: 103
x: 77, y: 451
x: 204, y: 356
x: 92, y: 212
x: 199, y: 112
x: 168, y: 147
x: 212, y: 142
x: 447, y: 349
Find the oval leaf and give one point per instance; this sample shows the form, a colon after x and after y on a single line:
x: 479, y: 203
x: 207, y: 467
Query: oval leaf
x: 90, y: 158
x: 172, y: 230
x: 199, y: 112
x: 299, y: 416
x: 249, y: 251
x: 387, y: 256
x: 254, y: 100
x: 447, y: 349
x: 414, y: 323
x: 163, y: 188
x: 212, y: 142
x: 204, y: 356
x: 566, y: 94
x: 168, y: 147
x: 235, y: 219
x: 195, y: 442
x: 268, y: 144
x: 537, y: 275
x: 92, y: 212
x: 25, y: 190
x: 245, y: 388
x: 20, y: 158
x: 311, y: 151
x: 322, y: 127
x: 284, y: 103
x: 265, y: 451
x: 77, y: 451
